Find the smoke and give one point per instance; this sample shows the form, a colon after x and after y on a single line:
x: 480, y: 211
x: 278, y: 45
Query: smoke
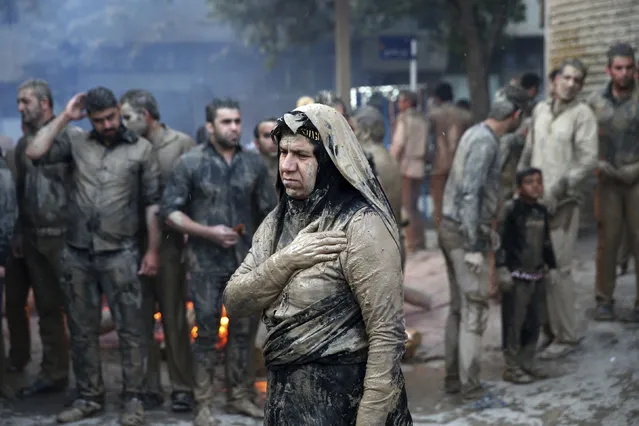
x: 169, y: 47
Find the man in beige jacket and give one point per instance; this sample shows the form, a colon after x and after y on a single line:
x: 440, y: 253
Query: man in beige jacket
x: 562, y: 142
x: 449, y: 122
x: 409, y: 148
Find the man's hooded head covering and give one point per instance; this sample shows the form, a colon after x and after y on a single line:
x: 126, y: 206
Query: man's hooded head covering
x: 344, y: 173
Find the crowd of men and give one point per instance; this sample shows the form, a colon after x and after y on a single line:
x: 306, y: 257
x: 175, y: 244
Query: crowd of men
x: 561, y: 142
x: 125, y: 210
x: 108, y: 213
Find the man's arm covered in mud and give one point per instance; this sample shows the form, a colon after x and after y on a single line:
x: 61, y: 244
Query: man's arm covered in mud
x: 260, y: 279
x: 373, y: 269
x: 43, y: 142
x: 477, y: 164
x: 586, y: 147
x: 526, y: 154
x: 9, y: 213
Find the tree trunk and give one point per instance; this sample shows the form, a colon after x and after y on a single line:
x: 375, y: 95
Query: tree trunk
x: 477, y: 66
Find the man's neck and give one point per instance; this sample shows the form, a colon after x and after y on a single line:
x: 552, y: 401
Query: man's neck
x: 225, y: 152
x: 40, y: 124
x: 498, y: 127
x: 154, y: 128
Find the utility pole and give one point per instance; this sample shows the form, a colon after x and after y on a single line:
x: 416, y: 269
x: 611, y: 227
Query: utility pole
x: 343, y: 50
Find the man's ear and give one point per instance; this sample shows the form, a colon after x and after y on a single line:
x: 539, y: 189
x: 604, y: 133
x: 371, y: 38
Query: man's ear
x: 209, y: 127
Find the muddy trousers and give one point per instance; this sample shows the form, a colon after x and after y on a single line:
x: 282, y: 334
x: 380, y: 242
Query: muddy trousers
x: 40, y: 269
x: 561, y: 294
x: 17, y: 285
x: 207, y: 292
x: 319, y: 394
x: 617, y: 214
x: 437, y: 186
x: 414, y: 232
x: 167, y: 292
x: 520, y: 321
x: 468, y: 312
x: 85, y: 276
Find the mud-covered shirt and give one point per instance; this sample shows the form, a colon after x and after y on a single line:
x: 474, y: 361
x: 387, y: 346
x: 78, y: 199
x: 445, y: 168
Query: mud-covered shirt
x: 212, y: 192
x: 618, y: 121
x: 472, y: 192
x: 42, y: 190
x: 8, y: 210
x: 525, y: 239
x: 109, y: 184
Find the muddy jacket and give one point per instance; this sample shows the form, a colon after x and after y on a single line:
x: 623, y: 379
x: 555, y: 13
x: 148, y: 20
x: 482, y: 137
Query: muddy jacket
x: 472, y: 192
x: 563, y: 144
x: 42, y: 191
x: 108, y: 186
x: 511, y: 147
x: 526, y: 247
x: 273, y: 166
x: 618, y: 122
x: 448, y: 125
x: 410, y: 141
x: 169, y: 145
x: 387, y: 170
x: 8, y: 210
x: 345, y: 311
x: 212, y: 192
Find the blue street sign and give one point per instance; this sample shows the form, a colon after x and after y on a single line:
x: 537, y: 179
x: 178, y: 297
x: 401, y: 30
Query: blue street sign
x: 395, y: 47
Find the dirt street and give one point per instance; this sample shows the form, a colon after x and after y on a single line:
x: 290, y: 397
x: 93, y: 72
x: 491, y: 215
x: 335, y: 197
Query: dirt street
x: 597, y: 385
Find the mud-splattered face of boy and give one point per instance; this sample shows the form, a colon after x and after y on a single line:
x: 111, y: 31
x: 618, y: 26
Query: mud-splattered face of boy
x: 532, y: 187
x: 298, y: 166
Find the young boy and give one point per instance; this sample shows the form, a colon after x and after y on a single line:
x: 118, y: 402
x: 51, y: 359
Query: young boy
x: 525, y: 253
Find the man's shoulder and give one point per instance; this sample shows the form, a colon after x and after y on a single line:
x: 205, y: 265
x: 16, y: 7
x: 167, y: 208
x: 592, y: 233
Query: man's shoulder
x: 177, y: 136
x: 252, y: 157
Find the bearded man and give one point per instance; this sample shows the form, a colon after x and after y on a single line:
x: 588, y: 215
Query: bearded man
x: 217, y: 194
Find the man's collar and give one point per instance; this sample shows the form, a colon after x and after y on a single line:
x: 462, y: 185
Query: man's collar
x: 124, y: 135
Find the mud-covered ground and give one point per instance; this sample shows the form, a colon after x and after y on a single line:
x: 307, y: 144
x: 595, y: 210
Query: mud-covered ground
x: 597, y: 385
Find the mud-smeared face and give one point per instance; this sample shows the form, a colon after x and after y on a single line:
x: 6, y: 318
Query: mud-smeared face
x: 106, y: 123
x: 134, y: 119
x: 29, y: 107
x: 298, y: 166
x: 226, y: 129
x: 622, y: 71
x: 569, y: 83
x: 264, y: 143
x: 532, y: 187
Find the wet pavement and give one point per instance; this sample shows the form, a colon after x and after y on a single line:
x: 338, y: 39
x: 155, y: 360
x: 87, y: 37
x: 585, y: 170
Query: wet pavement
x: 596, y: 385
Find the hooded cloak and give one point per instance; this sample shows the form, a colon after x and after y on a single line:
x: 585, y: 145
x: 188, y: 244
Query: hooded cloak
x: 345, y: 153
x: 336, y: 329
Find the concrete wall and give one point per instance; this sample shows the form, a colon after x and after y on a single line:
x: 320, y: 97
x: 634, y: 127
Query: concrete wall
x: 586, y: 29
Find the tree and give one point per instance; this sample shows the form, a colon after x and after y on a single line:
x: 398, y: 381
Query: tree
x: 476, y: 26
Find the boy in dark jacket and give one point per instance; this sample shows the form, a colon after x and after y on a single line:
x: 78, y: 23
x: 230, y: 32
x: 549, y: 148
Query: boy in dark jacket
x: 525, y: 254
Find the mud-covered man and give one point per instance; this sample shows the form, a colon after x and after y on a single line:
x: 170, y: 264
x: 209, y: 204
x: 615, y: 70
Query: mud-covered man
x: 617, y: 110
x: 562, y: 143
x: 114, y: 172
x: 167, y: 290
x: 409, y: 148
x: 265, y: 145
x: 447, y: 124
x: 38, y: 240
x: 471, y: 202
x: 217, y: 195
